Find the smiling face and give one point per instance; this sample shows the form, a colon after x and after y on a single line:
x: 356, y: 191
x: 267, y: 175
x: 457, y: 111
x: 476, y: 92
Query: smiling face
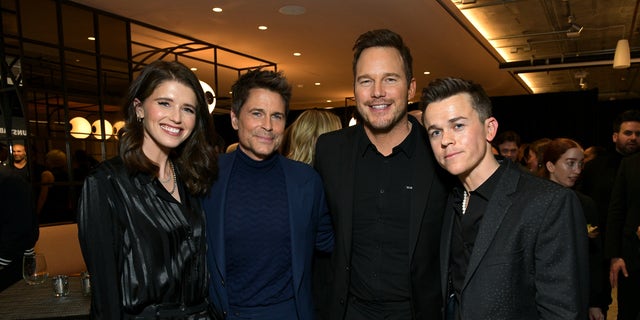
x: 460, y: 141
x: 260, y: 123
x: 169, y: 117
x: 566, y: 170
x: 381, y: 89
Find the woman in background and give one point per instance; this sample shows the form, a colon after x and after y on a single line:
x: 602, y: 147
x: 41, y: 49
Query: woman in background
x: 54, y: 205
x: 563, y: 160
x: 141, y: 226
x: 300, y: 137
x: 299, y: 143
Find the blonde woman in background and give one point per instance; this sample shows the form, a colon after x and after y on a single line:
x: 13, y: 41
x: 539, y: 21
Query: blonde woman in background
x: 299, y: 144
x: 300, y: 137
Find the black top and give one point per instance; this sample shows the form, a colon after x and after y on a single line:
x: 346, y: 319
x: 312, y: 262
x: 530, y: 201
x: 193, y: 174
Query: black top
x: 143, y: 249
x: 382, y: 197
x: 466, y: 226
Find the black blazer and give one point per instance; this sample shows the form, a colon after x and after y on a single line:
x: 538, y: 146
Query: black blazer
x: 335, y: 160
x: 624, y: 214
x: 530, y: 258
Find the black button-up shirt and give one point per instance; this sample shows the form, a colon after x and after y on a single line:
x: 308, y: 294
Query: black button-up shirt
x: 380, y: 248
x: 466, y: 226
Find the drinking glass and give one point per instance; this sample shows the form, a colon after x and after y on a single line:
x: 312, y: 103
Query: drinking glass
x: 34, y: 268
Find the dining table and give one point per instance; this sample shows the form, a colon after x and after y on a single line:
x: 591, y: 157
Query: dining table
x: 24, y: 301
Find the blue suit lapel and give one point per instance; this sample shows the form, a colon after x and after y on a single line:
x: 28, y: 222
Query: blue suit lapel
x: 497, y: 208
x: 217, y: 221
x: 297, y: 221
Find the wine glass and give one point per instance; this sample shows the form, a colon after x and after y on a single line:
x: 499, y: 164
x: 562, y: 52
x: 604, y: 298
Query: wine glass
x: 34, y: 268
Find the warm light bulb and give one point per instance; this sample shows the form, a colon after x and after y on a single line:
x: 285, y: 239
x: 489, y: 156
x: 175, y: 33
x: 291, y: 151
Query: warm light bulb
x: 96, y: 128
x: 80, y: 128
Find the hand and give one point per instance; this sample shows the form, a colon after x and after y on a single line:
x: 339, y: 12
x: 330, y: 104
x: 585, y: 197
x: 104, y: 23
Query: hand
x: 617, y: 265
x: 595, y: 314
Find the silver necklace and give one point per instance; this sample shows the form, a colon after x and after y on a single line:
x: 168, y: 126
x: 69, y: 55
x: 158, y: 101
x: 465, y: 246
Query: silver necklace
x: 175, y: 182
x: 465, y: 201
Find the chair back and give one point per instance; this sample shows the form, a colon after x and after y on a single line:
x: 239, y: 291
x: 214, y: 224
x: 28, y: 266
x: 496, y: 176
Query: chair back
x: 61, y: 248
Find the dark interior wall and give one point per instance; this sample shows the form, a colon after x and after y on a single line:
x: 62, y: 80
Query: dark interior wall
x: 576, y: 115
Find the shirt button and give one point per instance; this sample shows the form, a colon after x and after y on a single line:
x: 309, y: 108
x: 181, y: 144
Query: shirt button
x: 381, y: 191
x: 347, y: 268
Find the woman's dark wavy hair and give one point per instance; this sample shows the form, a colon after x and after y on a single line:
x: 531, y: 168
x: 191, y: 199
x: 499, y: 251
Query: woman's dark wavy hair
x: 195, y: 158
x: 444, y: 88
x: 383, y: 38
x: 261, y: 79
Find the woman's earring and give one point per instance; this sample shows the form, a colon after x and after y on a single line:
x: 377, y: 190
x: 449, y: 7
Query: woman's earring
x: 139, y: 119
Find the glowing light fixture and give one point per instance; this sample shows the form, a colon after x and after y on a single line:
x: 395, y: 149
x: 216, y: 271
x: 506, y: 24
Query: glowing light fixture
x: 96, y: 129
x: 209, y: 95
x: 117, y: 127
x: 622, y: 57
x: 80, y: 128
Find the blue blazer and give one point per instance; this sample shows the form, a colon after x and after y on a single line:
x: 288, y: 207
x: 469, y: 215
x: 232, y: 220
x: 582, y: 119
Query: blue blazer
x: 310, y: 229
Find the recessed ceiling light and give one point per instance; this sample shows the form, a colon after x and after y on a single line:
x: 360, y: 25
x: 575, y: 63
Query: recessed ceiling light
x: 92, y: 38
x: 194, y: 69
x: 262, y: 28
x: 297, y: 54
x: 427, y: 72
x: 292, y: 10
x: 301, y: 86
x: 329, y: 101
x: 218, y: 10
x: 317, y: 83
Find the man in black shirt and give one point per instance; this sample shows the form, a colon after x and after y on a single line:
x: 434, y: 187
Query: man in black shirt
x: 384, y: 193
x: 513, y: 246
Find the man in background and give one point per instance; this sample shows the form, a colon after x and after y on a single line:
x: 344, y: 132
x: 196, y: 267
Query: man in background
x: 19, y: 163
x: 598, y: 177
x: 18, y: 225
x: 508, y: 143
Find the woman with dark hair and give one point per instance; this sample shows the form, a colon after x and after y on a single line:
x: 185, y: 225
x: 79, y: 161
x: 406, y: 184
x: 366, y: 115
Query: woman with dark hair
x: 563, y: 160
x: 141, y: 225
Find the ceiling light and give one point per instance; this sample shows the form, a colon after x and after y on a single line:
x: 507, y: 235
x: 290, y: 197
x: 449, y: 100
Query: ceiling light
x: 329, y: 100
x: 427, y: 72
x: 92, y: 38
x: 218, y: 10
x: 262, y: 28
x: 317, y: 83
x: 622, y: 57
x: 297, y: 54
x: 194, y: 69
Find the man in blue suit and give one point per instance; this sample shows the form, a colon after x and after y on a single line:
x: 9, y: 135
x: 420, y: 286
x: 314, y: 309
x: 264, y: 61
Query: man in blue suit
x: 266, y: 214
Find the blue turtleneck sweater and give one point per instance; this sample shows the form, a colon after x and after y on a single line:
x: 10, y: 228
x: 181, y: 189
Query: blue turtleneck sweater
x: 257, y: 233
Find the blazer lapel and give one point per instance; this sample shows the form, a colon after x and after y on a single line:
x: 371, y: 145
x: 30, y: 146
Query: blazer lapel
x: 219, y: 194
x: 445, y: 245
x: 349, y: 151
x: 297, y: 220
x: 496, y: 209
x: 422, y: 180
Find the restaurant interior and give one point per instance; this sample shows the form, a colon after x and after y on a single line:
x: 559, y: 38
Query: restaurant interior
x: 552, y: 67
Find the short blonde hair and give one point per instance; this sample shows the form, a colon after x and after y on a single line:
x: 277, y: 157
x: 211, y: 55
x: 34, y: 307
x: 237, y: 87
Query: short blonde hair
x: 300, y: 137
